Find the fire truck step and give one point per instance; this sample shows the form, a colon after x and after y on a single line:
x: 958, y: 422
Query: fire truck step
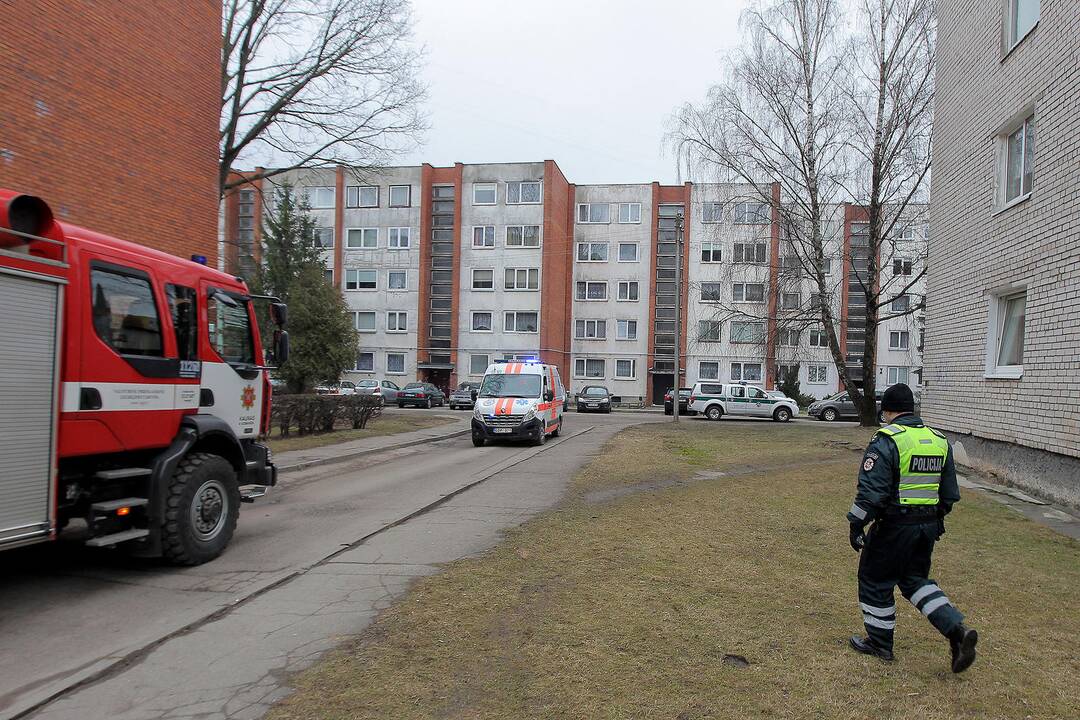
x: 109, y: 506
x: 251, y: 494
x: 117, y: 538
x: 121, y: 473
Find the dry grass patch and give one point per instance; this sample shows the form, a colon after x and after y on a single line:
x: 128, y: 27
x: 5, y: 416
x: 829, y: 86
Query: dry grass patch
x: 676, y: 550
x: 384, y: 425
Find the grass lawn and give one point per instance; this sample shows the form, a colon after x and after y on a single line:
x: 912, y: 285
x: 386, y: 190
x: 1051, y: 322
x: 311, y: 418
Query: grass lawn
x: 388, y: 424
x: 678, y: 547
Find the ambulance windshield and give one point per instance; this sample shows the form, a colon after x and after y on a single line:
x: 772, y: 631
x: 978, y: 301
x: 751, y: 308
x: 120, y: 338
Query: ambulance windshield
x: 516, y: 385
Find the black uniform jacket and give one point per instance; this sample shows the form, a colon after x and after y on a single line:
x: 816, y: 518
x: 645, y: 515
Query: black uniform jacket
x: 879, y: 478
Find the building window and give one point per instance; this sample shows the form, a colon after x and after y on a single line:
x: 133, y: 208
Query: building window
x: 788, y: 338
x: 590, y: 329
x: 320, y: 198
x: 593, y: 213
x: 397, y: 279
x: 483, y: 236
x: 484, y: 194
x: 826, y: 266
x: 1020, y: 18
x: 521, y: 279
x: 708, y: 370
x: 362, y: 238
x: 323, y: 237
x: 711, y: 251
x: 901, y: 267
x: 589, y: 368
x: 915, y: 231
x: 395, y: 363
x: 746, y: 372
x: 520, y: 322
x: 748, y: 292
x: 364, y: 196
x: 481, y: 322
x: 784, y: 370
x: 1007, y: 318
x: 712, y: 212
x: 817, y: 374
x: 478, y: 364
x: 364, y: 321
x: 746, y: 331
x: 790, y: 301
x: 711, y: 292
x: 483, y: 279
x: 625, y: 369
x: 818, y: 338
x: 708, y: 331
x: 591, y: 291
x: 628, y: 290
x: 751, y: 213
x: 1019, y: 160
x: 897, y: 375
x: 749, y: 252
x: 629, y: 213
x: 328, y: 275
x: 523, y: 236
x: 397, y: 321
x: 400, y: 195
x: 592, y: 252
x: 900, y: 304
x: 398, y: 238
x: 628, y: 252
x: 626, y: 329
x: 365, y: 362
x: 523, y: 193
x: 361, y: 279
x: 899, y: 340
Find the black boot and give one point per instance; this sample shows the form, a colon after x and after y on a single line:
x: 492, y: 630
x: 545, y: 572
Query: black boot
x: 962, y: 641
x: 867, y: 647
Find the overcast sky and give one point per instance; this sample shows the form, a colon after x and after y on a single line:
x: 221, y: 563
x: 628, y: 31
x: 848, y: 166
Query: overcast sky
x: 588, y: 83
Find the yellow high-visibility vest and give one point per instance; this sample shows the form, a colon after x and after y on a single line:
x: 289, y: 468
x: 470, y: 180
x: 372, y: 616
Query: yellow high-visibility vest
x: 922, y: 457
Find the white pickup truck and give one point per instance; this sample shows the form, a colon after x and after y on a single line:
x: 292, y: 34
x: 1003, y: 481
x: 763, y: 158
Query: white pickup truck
x: 714, y: 400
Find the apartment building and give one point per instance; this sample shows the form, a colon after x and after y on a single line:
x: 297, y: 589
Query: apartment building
x: 1002, y: 340
x: 448, y: 269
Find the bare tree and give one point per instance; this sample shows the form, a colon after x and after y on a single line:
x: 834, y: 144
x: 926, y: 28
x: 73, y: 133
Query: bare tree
x: 317, y: 83
x: 802, y: 105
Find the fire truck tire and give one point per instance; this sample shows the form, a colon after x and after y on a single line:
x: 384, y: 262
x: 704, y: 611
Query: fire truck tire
x: 201, y: 508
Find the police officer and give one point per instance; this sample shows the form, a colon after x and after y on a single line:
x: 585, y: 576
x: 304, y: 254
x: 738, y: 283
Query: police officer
x: 907, y: 485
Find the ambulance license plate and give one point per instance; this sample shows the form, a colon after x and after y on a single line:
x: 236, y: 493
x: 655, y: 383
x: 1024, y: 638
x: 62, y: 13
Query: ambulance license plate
x: 502, y: 430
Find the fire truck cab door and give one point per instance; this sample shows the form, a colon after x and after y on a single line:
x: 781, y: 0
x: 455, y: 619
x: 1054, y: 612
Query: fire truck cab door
x: 231, y: 386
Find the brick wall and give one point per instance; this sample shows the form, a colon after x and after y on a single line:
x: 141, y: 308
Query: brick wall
x: 976, y: 247
x: 110, y: 112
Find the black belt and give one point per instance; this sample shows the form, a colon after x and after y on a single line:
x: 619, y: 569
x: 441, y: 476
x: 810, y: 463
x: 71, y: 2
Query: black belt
x: 912, y: 515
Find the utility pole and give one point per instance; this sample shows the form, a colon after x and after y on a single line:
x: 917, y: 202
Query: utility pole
x: 678, y: 307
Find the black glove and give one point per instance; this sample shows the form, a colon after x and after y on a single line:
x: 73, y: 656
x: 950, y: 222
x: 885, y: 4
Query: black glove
x: 856, y: 537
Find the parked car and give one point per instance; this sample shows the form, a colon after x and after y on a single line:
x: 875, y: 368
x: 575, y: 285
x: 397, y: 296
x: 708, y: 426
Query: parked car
x: 684, y: 402
x: 420, y: 394
x: 593, y: 397
x: 841, y: 405
x: 465, y: 396
x: 385, y: 389
x: 716, y: 400
x: 341, y: 388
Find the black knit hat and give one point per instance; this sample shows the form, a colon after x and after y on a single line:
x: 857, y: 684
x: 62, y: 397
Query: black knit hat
x: 898, y: 398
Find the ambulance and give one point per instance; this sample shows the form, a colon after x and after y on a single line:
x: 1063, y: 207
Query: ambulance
x: 519, y: 401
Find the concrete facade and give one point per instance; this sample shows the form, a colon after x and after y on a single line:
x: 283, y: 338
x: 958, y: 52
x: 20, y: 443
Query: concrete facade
x: 1005, y: 215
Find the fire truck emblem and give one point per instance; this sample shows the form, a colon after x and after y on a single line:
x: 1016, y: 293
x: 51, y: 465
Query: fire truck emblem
x: 247, y: 398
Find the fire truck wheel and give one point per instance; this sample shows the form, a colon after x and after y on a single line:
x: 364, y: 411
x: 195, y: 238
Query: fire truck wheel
x: 201, y: 508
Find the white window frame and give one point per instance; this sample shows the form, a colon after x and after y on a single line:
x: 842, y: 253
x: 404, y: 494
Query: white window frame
x: 1013, y: 34
x: 390, y: 196
x: 400, y: 317
x: 472, y: 280
x: 530, y: 274
x: 483, y: 186
x: 590, y: 246
x: 818, y: 338
x: 719, y: 292
x: 758, y: 338
x: 389, y: 285
x: 318, y: 232
x: 1026, y: 129
x: 899, y: 344
x: 365, y: 233
x: 491, y: 321
x: 484, y: 237
x: 627, y: 284
x: 586, y: 209
x: 519, y: 185
x: 893, y: 375
x: 998, y: 314
x: 712, y: 212
x: 583, y: 374
x: 356, y: 365
x: 784, y: 297
x: 637, y: 252
x: 633, y: 369
x: 788, y: 337
x: 374, y: 321
x: 742, y: 371
x: 506, y: 237
x: 744, y: 216
x: 515, y: 313
x: 738, y: 254
x: 587, y: 283
x: 395, y: 372
x: 817, y: 374
x: 358, y: 191
x: 355, y: 272
x: 401, y: 233
x: 582, y: 327
x: 904, y: 303
x: 633, y: 213
x: 622, y: 329
x: 740, y: 297
x: 910, y: 269
x: 472, y: 364
x: 713, y: 372
x: 314, y: 192
x: 715, y: 249
x: 708, y: 337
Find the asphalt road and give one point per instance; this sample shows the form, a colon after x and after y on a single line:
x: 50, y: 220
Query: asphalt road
x: 92, y: 634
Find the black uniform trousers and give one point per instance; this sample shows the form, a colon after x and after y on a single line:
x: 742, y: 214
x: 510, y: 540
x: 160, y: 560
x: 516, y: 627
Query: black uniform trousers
x: 898, y: 553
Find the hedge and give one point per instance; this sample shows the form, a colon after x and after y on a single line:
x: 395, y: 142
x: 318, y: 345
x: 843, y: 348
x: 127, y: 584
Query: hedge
x: 320, y: 413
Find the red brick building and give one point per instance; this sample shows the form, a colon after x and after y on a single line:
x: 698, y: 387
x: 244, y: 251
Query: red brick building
x: 109, y: 111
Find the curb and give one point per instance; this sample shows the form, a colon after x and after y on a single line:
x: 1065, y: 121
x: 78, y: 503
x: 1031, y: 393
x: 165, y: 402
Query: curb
x: 345, y: 457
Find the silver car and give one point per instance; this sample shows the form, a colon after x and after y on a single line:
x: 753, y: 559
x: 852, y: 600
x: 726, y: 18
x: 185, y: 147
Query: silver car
x: 385, y: 389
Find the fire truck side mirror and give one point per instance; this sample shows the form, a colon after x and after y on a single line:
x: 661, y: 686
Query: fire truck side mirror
x: 281, y: 347
x: 279, y: 313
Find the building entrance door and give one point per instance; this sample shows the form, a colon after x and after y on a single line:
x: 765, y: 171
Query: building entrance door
x: 660, y: 385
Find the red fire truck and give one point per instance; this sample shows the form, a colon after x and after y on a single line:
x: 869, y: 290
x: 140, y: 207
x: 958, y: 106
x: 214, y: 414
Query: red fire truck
x: 133, y: 390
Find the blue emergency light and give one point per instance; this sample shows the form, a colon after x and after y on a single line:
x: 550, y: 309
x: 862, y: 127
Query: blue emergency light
x: 201, y: 259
